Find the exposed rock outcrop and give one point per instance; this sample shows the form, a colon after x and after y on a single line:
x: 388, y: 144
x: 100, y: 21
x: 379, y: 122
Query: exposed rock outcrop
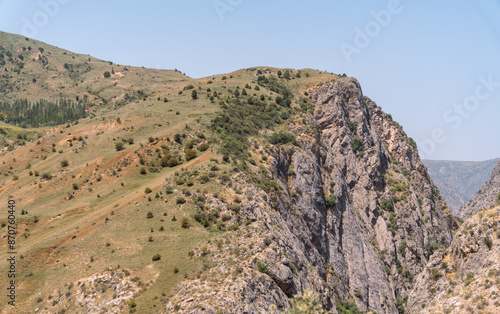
x: 351, y: 213
x: 466, y: 276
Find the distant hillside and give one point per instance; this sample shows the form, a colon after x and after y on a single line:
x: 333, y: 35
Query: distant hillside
x: 459, y: 181
x: 34, y: 70
x: 486, y: 196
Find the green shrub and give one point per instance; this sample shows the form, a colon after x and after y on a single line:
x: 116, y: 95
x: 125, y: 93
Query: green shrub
x: 412, y: 143
x: 352, y: 127
x: 402, y: 248
x: 180, y: 200
x: 386, y: 204
x: 346, y: 308
x: 262, y: 267
x: 203, y: 147
x: 435, y: 273
x: 185, y: 223
x: 148, y: 190
x: 107, y: 74
x: 149, y: 215
x: 233, y: 207
x: 164, y: 161
x: 330, y: 201
x: 119, y: 146
x: 190, y: 153
x: 279, y: 138
x: 143, y: 170
x: 64, y: 163
x: 156, y: 257
x: 487, y: 240
x: 400, y: 302
x: 267, y: 241
x: 392, y: 225
x: 357, y: 294
x: 233, y: 227
x: 357, y: 145
x: 469, y: 277
x: 286, y: 75
x: 172, y: 162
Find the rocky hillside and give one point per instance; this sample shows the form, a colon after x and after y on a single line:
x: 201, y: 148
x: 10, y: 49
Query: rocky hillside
x: 231, y: 193
x: 465, y: 278
x: 487, y: 195
x: 459, y: 181
x: 351, y: 213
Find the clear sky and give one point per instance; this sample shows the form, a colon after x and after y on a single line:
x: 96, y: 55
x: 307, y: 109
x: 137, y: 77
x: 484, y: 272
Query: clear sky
x: 434, y: 65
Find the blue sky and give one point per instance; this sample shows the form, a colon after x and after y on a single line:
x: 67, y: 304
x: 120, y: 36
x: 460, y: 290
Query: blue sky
x: 433, y: 65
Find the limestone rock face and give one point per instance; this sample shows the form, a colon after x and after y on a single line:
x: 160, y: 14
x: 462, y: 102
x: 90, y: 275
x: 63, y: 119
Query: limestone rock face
x: 350, y: 212
x: 487, y: 196
x: 466, y: 276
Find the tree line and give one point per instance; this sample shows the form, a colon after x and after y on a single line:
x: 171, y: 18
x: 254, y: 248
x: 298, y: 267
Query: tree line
x: 25, y: 114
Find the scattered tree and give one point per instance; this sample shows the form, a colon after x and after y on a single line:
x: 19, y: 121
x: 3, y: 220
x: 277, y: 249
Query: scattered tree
x: 119, y: 146
x: 190, y: 153
x: 156, y: 257
x: 185, y: 223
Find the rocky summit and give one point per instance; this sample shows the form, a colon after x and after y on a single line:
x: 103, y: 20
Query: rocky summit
x: 354, y: 215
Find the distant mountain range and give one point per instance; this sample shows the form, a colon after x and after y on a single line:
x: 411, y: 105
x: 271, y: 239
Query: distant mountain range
x: 486, y: 197
x: 459, y: 181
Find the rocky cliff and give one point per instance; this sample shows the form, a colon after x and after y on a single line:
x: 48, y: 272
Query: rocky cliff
x: 459, y: 181
x: 347, y: 210
x: 466, y: 276
x: 487, y: 195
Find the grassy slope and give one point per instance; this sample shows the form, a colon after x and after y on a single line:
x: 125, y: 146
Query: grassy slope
x: 69, y: 232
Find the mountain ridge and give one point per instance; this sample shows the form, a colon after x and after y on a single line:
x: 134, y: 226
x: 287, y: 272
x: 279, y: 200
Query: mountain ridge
x: 233, y: 193
x: 487, y: 196
x: 459, y: 181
